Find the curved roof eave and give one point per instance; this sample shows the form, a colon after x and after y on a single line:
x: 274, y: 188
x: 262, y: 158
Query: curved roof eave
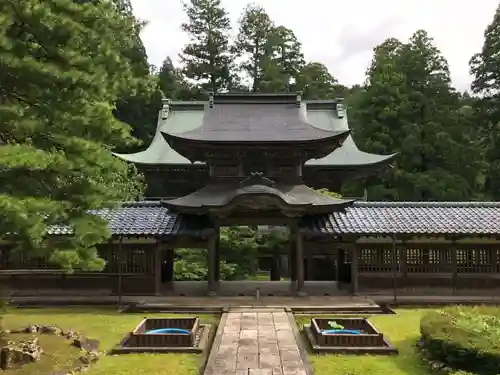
x: 159, y: 152
x: 348, y: 155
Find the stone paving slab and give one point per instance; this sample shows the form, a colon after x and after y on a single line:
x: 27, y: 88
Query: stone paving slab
x: 257, y: 343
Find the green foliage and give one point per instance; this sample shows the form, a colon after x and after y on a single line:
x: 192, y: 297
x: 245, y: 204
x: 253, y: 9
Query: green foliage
x: 207, y: 57
x: 172, y: 84
x: 192, y: 265
x: 329, y: 193
x: 316, y: 82
x: 251, y: 43
x: 270, y: 55
x: 484, y: 68
x: 62, y: 69
x: 466, y: 339
x: 239, y: 245
x: 334, y: 325
x: 408, y: 106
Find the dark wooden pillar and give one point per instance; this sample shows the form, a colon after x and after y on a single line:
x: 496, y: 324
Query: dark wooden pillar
x: 211, y: 260
x: 339, y: 263
x: 217, y: 254
x: 310, y: 265
x: 169, y: 259
x: 292, y: 262
x: 276, y: 266
x: 299, y: 248
x: 354, y: 269
x: 403, y: 263
x: 453, y: 267
x: 158, y: 268
x: 394, y: 269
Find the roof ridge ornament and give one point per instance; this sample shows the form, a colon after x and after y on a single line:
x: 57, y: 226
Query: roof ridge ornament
x: 299, y: 99
x: 340, y: 110
x: 211, y: 99
x: 165, y: 110
x: 257, y: 178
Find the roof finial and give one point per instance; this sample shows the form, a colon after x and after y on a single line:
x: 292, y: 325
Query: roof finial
x: 211, y: 99
x: 165, y: 109
x: 299, y: 98
x: 340, y: 110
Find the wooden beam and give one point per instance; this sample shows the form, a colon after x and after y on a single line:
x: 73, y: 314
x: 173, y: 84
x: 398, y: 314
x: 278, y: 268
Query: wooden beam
x: 292, y: 257
x: 299, y: 248
x: 157, y: 268
x: 454, y: 270
x: 276, y: 266
x: 217, y: 252
x: 354, y: 269
x: 169, y: 268
x: 212, y: 283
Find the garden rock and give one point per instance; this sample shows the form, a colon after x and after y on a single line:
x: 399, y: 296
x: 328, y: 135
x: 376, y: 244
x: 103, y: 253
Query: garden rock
x: 50, y: 330
x: 90, y: 345
x: 71, y: 335
x: 89, y: 357
x: 32, y: 328
x: 16, y: 353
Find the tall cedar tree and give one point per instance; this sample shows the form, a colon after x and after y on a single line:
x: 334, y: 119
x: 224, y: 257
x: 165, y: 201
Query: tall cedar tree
x: 316, y: 82
x: 174, y: 86
x: 409, y: 106
x: 207, y: 58
x: 485, y: 68
x: 282, y: 62
x: 139, y: 106
x: 252, y: 44
x: 61, y: 68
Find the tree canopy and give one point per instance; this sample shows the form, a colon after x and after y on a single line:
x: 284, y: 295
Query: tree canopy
x: 409, y: 106
x: 61, y: 71
x: 76, y: 84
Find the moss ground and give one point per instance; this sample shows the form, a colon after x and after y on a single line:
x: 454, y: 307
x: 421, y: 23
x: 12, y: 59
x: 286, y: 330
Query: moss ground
x: 109, y: 327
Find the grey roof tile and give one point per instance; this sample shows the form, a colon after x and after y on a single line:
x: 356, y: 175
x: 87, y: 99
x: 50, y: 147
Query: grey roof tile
x: 257, y: 123
x: 363, y: 218
x: 425, y: 218
x: 146, y: 218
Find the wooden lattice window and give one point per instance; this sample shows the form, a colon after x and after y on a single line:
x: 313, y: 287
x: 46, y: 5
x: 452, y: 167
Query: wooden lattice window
x: 477, y: 260
x: 375, y: 259
x: 428, y: 260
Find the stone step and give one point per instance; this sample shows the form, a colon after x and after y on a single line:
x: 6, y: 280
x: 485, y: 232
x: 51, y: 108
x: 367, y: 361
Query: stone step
x: 255, y: 309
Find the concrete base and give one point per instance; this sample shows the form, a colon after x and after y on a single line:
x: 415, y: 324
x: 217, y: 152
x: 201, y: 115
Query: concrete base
x: 249, y: 288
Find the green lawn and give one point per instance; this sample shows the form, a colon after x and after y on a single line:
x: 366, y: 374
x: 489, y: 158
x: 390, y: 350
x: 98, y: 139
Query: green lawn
x: 402, y: 330
x: 58, y: 356
x: 109, y: 327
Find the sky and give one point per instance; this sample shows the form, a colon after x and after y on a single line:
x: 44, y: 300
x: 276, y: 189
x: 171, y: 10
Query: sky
x: 341, y: 34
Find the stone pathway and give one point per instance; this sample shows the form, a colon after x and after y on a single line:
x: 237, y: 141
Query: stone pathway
x: 256, y: 343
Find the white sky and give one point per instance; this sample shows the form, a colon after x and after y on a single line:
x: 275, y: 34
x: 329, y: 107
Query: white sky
x: 341, y: 34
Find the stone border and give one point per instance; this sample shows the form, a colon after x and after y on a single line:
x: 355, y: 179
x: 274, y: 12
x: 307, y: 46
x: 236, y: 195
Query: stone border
x: 211, y: 360
x: 202, y: 345
x: 89, y: 357
x: 300, y: 344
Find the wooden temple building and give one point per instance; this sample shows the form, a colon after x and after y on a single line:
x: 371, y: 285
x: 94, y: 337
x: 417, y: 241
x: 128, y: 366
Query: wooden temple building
x: 256, y: 159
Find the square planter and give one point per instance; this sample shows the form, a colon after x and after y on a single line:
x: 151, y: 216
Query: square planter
x: 141, y: 340
x: 364, y: 338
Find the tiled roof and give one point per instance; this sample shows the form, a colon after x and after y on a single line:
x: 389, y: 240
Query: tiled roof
x: 149, y: 218
x: 257, y: 123
x: 226, y: 193
x: 425, y: 218
x: 146, y: 218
